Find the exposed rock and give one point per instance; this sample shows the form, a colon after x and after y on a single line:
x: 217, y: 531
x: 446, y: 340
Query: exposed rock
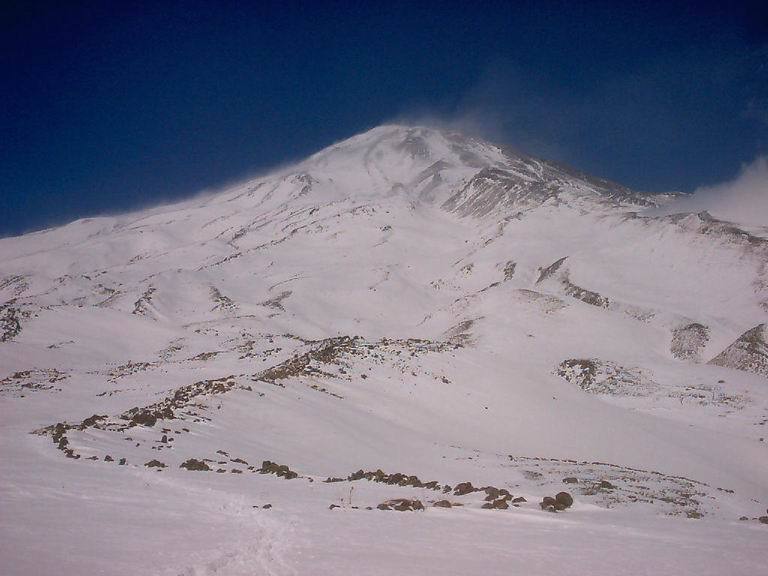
x: 155, y: 464
x: 443, y: 504
x: 493, y: 493
x: 280, y: 470
x: 500, y: 504
x: 688, y: 341
x: 548, y: 503
x: 401, y: 505
x: 10, y: 327
x: 509, y: 270
x: 550, y: 270
x: 396, y: 479
x: 605, y: 377
x: 564, y: 499
x: 195, y: 465
x: 464, y: 488
x: 749, y: 352
x: 570, y: 480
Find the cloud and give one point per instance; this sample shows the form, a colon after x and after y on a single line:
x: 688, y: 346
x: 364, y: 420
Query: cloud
x: 743, y: 200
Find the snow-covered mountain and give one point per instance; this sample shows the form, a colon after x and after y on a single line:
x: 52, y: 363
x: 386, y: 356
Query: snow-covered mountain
x: 402, y: 312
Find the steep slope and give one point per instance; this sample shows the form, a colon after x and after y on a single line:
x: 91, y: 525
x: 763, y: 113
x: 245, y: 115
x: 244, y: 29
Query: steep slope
x: 409, y: 300
x: 749, y: 352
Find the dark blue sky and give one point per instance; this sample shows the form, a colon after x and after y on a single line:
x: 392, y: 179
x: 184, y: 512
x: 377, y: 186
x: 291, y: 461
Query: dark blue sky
x: 112, y: 105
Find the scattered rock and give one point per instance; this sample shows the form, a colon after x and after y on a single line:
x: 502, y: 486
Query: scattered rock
x: 464, y: 488
x: 548, y: 503
x: 401, y: 505
x: 493, y: 493
x: 570, y: 480
x: 195, y: 465
x: 280, y: 470
x: 500, y: 504
x: 443, y: 504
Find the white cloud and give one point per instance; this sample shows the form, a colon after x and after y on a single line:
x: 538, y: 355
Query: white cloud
x: 743, y: 200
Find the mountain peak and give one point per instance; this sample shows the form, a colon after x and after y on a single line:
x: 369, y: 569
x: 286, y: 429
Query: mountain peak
x: 465, y: 174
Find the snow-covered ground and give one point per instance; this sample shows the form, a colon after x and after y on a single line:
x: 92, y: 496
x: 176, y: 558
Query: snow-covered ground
x: 421, y: 307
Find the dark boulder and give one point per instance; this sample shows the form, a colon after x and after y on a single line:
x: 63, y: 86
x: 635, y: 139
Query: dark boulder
x: 564, y: 499
x: 500, y: 504
x: 548, y: 503
x: 195, y: 465
x: 464, y: 488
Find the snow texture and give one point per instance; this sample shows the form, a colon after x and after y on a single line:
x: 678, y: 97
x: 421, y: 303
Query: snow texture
x: 234, y: 384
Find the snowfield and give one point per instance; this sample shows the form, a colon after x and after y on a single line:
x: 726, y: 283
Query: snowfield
x: 380, y: 361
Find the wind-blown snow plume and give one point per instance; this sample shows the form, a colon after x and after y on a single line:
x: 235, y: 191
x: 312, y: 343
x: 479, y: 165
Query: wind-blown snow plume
x: 743, y: 200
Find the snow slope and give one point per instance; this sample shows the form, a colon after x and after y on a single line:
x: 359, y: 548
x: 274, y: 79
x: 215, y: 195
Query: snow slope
x: 412, y: 301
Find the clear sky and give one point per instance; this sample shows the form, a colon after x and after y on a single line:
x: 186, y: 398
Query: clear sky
x: 107, y: 106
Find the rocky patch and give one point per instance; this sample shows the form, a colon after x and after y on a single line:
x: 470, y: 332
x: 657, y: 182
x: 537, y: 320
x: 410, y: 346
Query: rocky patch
x: 562, y: 501
x: 749, y: 352
x: 194, y: 465
x: 10, y: 325
x: 688, y: 341
x: 401, y: 505
x: 396, y: 479
x: 604, y: 377
x: 19, y: 384
x: 221, y: 302
x: 143, y: 306
x: 279, y: 470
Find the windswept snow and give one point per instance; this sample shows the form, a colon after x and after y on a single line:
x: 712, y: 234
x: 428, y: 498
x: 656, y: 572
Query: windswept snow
x: 233, y: 384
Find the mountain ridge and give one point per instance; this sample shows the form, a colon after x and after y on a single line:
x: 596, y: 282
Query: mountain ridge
x: 409, y: 304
